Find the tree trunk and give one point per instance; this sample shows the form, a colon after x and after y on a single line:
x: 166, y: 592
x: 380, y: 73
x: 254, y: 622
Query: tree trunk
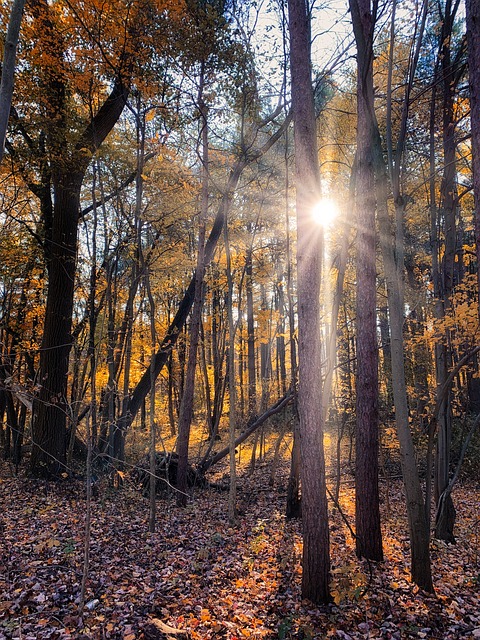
x: 473, y: 37
x: 445, y: 277
x: 316, y: 554
x: 50, y: 407
x: 294, y: 503
x: 8, y: 68
x: 252, y: 388
x: 232, y: 411
x: 367, y: 504
x: 186, y: 407
x: 48, y: 456
x: 417, y: 519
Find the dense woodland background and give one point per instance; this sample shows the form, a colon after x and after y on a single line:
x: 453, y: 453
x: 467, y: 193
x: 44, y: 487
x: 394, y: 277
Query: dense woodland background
x: 176, y: 323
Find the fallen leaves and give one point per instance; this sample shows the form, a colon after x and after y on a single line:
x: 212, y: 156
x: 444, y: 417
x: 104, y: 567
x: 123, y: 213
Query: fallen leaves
x: 199, y: 579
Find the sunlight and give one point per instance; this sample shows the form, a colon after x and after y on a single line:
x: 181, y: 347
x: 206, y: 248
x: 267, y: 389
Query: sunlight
x: 324, y: 212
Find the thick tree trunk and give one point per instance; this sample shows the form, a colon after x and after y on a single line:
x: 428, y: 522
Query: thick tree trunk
x: 51, y: 408
x: 367, y: 511
x: 316, y: 554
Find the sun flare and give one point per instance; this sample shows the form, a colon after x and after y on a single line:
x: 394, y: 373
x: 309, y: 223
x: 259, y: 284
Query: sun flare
x: 324, y: 212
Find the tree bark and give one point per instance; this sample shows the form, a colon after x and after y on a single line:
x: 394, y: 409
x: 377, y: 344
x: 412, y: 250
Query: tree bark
x: 186, y: 407
x: 8, y: 68
x: 444, y: 279
x: 392, y: 246
x: 316, y: 553
x: 472, y: 8
x: 367, y: 503
x: 51, y: 408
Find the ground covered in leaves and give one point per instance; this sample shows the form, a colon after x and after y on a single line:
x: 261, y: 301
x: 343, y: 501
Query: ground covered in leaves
x: 199, y: 578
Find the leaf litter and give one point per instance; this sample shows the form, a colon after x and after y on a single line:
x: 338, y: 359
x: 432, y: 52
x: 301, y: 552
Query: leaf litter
x: 199, y: 578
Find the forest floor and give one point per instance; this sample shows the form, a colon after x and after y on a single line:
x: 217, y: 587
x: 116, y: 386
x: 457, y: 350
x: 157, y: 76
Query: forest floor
x: 198, y: 577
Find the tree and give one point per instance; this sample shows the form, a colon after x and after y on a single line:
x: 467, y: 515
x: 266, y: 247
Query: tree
x: 367, y: 507
x: 316, y: 554
x: 473, y: 37
x: 451, y: 64
x: 73, y: 115
x: 8, y: 68
x: 392, y: 245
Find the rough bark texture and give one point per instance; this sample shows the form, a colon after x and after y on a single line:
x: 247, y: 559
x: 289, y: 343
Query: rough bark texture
x: 49, y: 427
x: 316, y: 557
x: 50, y: 410
x: 367, y: 511
x: 472, y: 8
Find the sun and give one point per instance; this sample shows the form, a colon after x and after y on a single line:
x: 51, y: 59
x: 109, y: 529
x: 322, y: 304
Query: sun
x: 324, y: 212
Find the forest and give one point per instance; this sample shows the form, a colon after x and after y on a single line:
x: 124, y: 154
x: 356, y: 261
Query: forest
x: 239, y: 319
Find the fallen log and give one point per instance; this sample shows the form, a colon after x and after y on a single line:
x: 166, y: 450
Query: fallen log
x: 205, y: 465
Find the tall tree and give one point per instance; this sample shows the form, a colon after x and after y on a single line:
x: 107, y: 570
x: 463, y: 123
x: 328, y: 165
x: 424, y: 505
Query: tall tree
x: 186, y: 407
x: 367, y: 511
x: 473, y: 37
x: 451, y: 56
x: 69, y: 136
x: 392, y: 245
x: 8, y: 68
x: 316, y: 553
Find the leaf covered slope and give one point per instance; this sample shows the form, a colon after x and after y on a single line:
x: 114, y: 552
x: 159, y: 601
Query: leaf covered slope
x: 208, y: 580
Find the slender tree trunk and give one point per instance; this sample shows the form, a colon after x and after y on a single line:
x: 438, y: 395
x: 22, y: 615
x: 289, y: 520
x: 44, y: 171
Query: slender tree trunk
x: 418, y: 523
x: 473, y: 36
x: 294, y: 505
x: 186, y: 407
x: 172, y: 334
x: 316, y: 554
x: 392, y: 246
x: 252, y: 385
x: 445, y: 278
x: 8, y: 68
x: 232, y: 420
x: 367, y: 511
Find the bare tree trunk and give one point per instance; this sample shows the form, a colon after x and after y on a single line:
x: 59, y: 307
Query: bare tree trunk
x: 186, y: 407
x: 393, y: 260
x: 367, y: 505
x: 473, y: 37
x: 293, y: 506
x: 418, y: 522
x: 232, y: 494
x: 8, y: 68
x: 316, y: 553
x: 252, y: 388
x: 450, y: 67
